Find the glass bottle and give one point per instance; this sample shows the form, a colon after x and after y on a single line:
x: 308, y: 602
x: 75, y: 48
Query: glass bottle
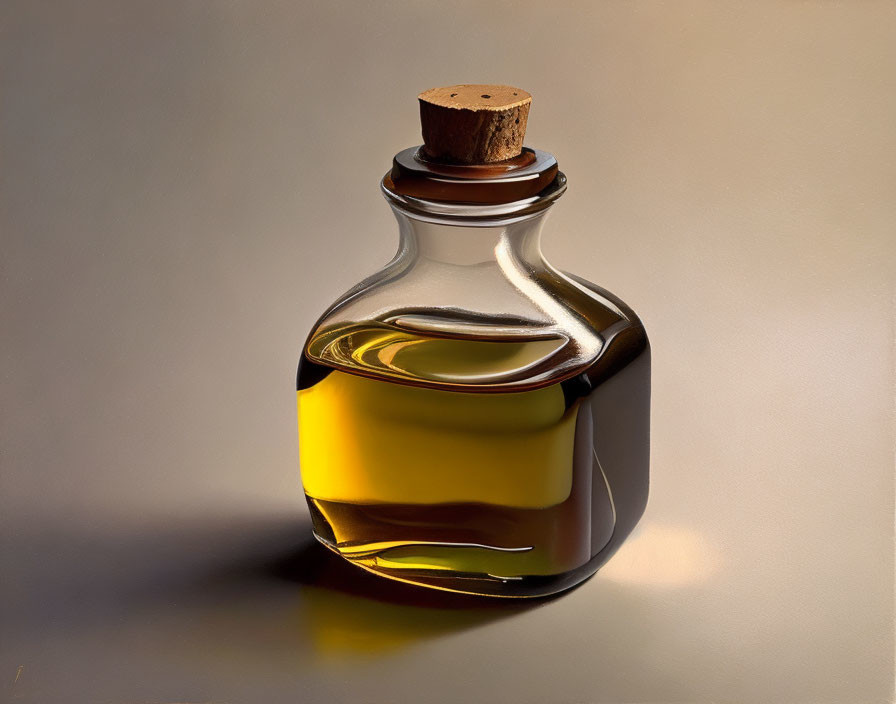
x: 471, y: 418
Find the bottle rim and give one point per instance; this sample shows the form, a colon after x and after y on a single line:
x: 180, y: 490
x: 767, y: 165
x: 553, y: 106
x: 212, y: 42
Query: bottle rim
x: 473, y: 194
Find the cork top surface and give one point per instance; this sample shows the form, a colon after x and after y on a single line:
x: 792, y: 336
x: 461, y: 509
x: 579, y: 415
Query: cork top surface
x: 478, y: 97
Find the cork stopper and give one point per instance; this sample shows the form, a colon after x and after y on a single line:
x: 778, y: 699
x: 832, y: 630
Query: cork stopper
x: 474, y: 124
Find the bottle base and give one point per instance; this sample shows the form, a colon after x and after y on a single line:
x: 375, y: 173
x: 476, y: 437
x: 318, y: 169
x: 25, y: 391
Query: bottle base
x: 478, y: 584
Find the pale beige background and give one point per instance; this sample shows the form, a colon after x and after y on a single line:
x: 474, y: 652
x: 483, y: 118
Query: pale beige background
x: 186, y: 185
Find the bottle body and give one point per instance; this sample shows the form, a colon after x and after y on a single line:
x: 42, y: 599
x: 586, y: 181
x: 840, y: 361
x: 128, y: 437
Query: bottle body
x: 473, y: 420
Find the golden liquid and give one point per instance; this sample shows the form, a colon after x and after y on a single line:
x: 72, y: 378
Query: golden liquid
x: 433, y: 459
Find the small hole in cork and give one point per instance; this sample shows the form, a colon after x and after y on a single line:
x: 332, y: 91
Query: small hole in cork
x: 485, y: 96
x: 516, y: 121
x: 514, y: 93
x: 453, y: 94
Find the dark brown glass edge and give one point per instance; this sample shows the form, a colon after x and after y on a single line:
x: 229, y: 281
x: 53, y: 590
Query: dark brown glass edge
x: 414, y: 175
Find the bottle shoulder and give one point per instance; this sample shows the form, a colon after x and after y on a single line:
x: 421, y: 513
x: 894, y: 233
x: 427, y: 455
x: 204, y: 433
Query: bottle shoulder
x: 549, y: 328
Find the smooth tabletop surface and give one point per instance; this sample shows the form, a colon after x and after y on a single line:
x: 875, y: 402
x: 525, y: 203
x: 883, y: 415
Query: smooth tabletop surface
x: 186, y: 186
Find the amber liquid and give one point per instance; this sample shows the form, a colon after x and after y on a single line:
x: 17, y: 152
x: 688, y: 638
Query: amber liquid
x: 433, y: 457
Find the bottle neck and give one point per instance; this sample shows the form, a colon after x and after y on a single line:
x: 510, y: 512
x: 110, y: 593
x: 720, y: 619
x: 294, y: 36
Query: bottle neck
x: 513, y: 245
